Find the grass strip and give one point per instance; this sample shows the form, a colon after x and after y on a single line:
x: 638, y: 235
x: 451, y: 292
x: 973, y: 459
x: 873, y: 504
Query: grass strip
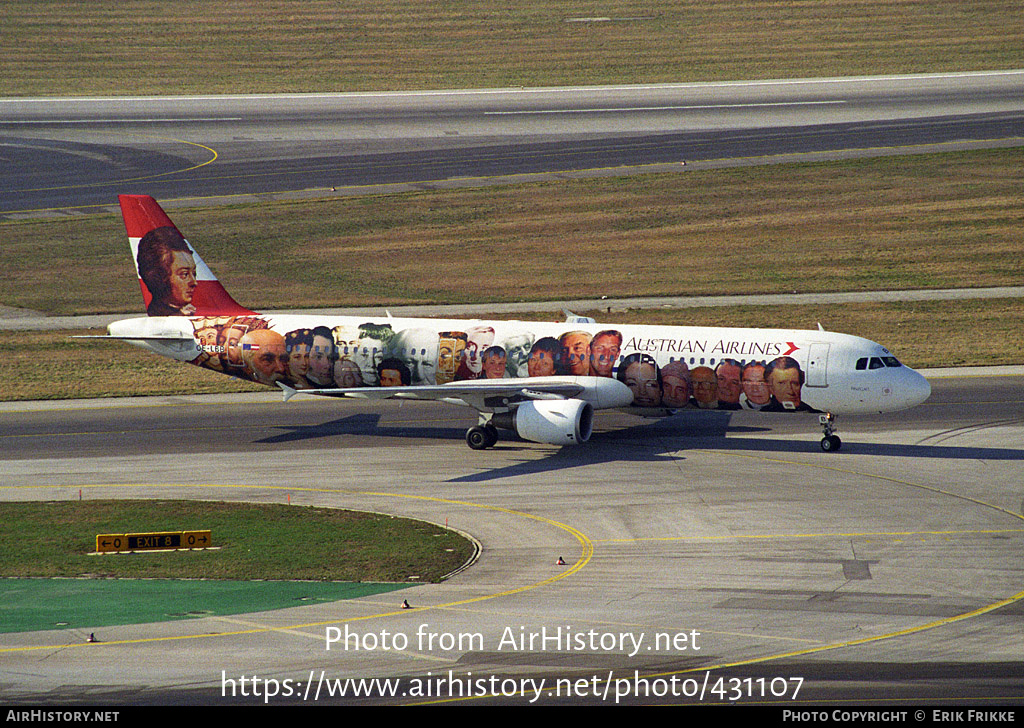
x: 928, y: 221
x: 52, y: 365
x: 195, y: 46
x: 256, y: 541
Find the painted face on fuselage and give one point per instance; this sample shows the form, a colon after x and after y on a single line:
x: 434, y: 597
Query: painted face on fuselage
x: 298, y: 364
x: 705, y: 386
x: 229, y: 339
x: 477, y: 339
x: 642, y: 379
x: 264, y: 352
x: 604, y: 351
x: 729, y: 388
x: 368, y: 353
x: 207, y: 336
x: 449, y: 354
x: 417, y: 349
x: 785, y: 385
x: 754, y: 385
x: 347, y: 374
x: 390, y: 378
x: 182, y: 279
x: 675, y: 391
x: 345, y: 339
x: 576, y: 353
x: 540, y: 364
x: 517, y: 349
x: 321, y: 360
x: 494, y: 366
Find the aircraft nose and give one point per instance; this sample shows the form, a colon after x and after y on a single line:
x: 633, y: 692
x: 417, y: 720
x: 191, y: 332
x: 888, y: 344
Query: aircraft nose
x: 916, y: 389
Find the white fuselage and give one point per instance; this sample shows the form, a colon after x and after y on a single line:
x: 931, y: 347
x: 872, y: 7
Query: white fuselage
x: 666, y: 367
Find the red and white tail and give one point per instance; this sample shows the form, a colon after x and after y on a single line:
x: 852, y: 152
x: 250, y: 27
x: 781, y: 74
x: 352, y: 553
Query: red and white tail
x: 174, y: 279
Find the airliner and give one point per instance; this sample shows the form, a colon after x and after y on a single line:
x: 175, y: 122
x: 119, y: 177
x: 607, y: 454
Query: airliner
x: 541, y: 380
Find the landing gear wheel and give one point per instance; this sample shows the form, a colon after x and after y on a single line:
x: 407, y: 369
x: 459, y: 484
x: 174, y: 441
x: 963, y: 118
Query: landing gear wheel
x: 831, y: 443
x: 481, y: 437
x: 476, y: 438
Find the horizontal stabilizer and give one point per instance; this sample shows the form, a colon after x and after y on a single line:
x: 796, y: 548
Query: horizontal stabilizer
x: 166, y: 338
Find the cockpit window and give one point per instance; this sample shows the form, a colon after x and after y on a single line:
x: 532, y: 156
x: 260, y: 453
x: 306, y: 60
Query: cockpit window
x: 876, y: 362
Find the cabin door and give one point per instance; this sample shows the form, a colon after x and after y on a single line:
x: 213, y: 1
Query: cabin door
x: 817, y: 364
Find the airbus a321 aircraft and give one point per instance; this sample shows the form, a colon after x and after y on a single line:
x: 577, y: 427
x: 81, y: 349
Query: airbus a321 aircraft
x: 542, y: 380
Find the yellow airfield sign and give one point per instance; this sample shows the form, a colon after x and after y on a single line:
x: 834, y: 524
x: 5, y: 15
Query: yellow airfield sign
x: 107, y: 543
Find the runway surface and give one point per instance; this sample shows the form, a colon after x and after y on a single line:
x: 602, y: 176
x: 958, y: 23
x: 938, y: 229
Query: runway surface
x: 75, y: 155
x: 725, y: 550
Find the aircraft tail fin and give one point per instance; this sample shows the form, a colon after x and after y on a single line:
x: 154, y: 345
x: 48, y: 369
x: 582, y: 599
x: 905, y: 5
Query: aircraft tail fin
x: 174, y: 279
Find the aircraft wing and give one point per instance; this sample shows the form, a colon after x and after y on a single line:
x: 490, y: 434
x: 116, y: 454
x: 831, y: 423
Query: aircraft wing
x: 481, y: 394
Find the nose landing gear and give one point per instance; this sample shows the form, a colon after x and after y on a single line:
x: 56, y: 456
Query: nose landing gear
x: 830, y: 442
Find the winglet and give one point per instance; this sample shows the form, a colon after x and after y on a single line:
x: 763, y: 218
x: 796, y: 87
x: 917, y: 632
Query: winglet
x: 573, y: 318
x: 289, y: 392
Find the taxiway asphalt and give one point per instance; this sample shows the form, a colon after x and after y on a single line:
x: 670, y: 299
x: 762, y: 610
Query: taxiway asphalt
x: 890, y: 570
x: 74, y: 156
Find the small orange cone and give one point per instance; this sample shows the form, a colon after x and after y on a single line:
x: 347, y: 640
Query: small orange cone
x: 560, y: 562
x: 405, y: 604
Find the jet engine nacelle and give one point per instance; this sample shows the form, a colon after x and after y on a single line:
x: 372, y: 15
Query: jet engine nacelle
x: 554, y: 421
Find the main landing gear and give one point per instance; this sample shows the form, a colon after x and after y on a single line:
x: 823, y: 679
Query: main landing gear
x: 482, y: 436
x: 830, y: 442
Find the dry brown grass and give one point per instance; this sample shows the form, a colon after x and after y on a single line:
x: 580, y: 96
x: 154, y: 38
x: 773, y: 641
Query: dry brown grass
x: 149, y: 46
x: 52, y: 365
x: 928, y: 221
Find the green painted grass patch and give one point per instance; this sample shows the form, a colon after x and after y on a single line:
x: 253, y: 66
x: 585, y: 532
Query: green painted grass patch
x: 41, y: 604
